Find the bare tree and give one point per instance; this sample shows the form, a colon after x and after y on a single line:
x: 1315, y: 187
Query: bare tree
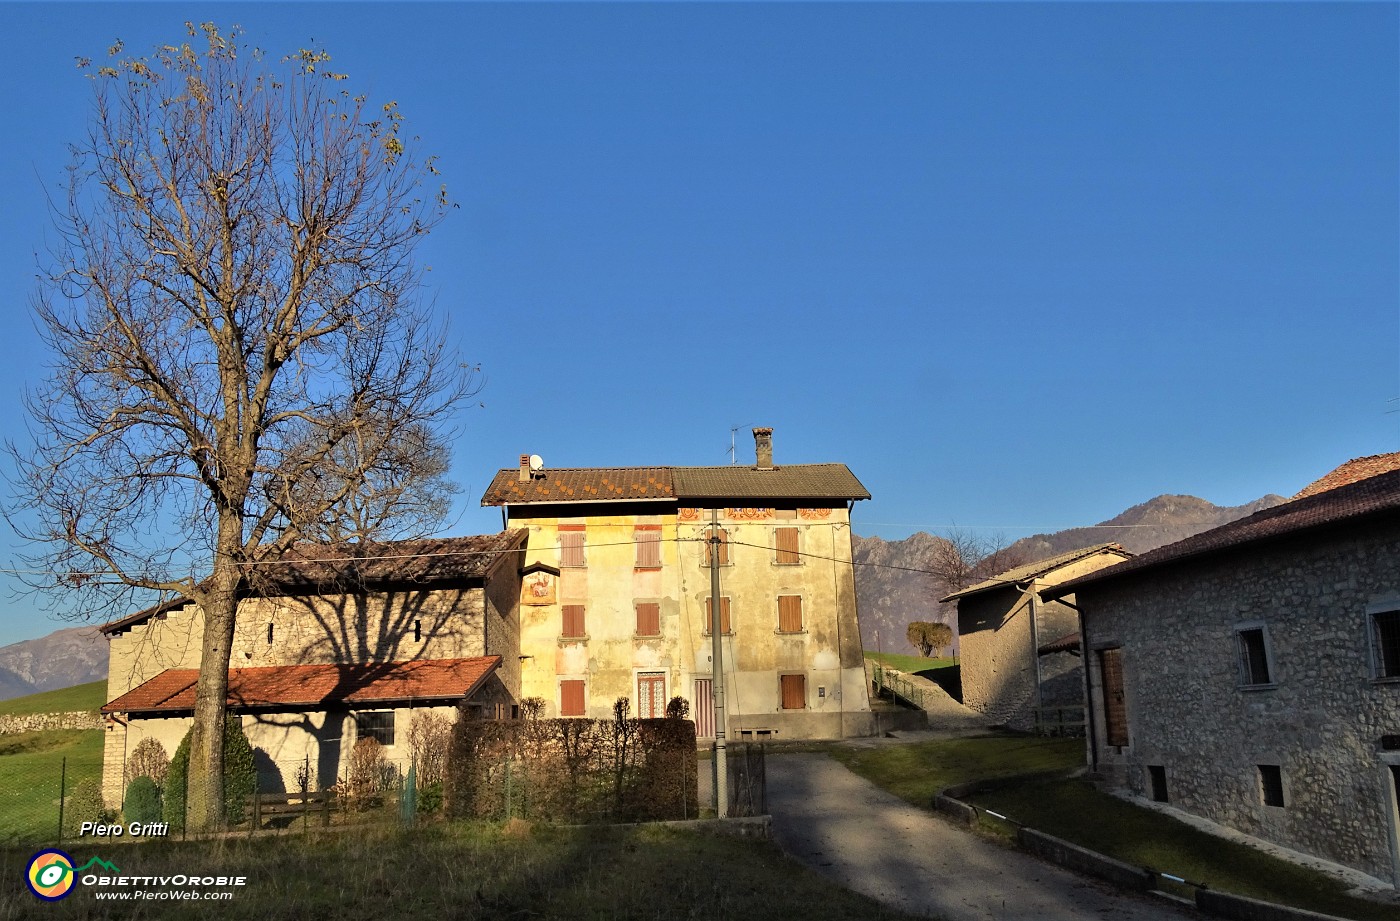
x: 233, y: 306
x: 962, y: 558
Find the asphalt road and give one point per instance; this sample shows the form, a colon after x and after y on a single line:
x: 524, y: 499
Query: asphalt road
x: 872, y: 842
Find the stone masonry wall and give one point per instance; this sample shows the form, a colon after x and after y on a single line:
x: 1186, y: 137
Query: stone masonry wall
x: 1320, y: 719
x: 36, y: 722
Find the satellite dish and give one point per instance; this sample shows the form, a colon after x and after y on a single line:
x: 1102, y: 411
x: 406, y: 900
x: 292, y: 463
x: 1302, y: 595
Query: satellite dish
x: 536, y: 462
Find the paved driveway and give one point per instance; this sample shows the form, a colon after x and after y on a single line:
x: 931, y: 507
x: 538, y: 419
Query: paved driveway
x: 875, y: 843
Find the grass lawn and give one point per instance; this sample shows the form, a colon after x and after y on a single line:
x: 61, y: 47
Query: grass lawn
x: 469, y: 871
x: 911, y: 664
x: 1072, y: 809
x: 30, y: 767
x: 79, y: 697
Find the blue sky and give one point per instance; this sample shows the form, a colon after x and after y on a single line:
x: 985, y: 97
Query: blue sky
x: 1020, y: 266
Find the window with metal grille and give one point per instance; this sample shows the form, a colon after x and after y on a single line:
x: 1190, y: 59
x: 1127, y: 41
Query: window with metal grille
x: 571, y: 548
x: 651, y: 695
x: 573, y: 625
x: 789, y: 613
x: 377, y: 726
x: 1271, y: 784
x: 1254, y: 656
x: 1157, y: 777
x: 786, y: 541
x: 1386, y: 629
x: 571, y: 698
x: 648, y: 618
x: 648, y: 542
x: 723, y: 536
x: 794, y: 688
x: 724, y: 624
x: 1115, y: 711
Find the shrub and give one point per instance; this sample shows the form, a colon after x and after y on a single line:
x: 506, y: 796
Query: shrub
x: 142, y: 803
x: 678, y: 708
x: 429, y: 738
x: 368, y: 771
x: 148, y: 759
x: 84, y: 805
x: 240, y: 776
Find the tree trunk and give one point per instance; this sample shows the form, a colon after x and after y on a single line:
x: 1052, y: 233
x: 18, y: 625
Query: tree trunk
x: 205, y: 798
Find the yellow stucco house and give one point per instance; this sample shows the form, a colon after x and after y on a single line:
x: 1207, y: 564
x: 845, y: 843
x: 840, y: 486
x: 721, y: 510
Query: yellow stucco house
x: 616, y: 592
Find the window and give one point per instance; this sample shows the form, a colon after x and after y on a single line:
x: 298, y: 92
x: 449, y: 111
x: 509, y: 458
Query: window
x: 1385, y: 634
x: 417, y: 631
x: 1253, y: 647
x: 794, y: 688
x: 377, y: 726
x: 1271, y: 784
x: 648, y: 618
x: 573, y: 625
x: 789, y: 613
x: 1157, y: 778
x: 269, y: 634
x: 651, y: 695
x: 571, y: 698
x: 648, y: 541
x: 1115, y: 711
x: 571, y: 547
x: 723, y: 545
x: 724, y: 623
x: 786, y: 541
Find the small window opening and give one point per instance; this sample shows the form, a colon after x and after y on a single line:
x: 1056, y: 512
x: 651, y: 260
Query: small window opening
x: 417, y: 631
x: 1157, y: 774
x: 269, y: 634
x: 1271, y: 784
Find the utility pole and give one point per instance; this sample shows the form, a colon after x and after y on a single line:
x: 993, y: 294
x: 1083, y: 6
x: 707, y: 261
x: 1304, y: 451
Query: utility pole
x: 717, y: 671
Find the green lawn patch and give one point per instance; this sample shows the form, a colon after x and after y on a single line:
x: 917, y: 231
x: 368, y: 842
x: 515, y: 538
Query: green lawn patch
x: 911, y: 664
x: 1074, y: 810
x: 89, y: 696
x: 471, y: 871
x: 30, y: 767
x: 920, y: 771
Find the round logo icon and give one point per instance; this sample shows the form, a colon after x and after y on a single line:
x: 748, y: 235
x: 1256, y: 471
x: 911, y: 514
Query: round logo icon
x: 50, y: 875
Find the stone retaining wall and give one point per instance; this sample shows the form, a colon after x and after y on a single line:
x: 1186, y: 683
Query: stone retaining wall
x: 35, y: 722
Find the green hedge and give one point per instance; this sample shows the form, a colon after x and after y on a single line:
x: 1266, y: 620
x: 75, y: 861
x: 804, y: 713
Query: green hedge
x: 240, y: 776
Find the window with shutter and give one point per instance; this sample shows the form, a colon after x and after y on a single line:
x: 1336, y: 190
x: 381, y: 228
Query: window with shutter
x: 786, y: 540
x: 1253, y: 649
x: 789, y: 613
x: 573, y: 625
x: 1385, y: 626
x: 1115, y: 711
x: 648, y: 541
x: 651, y: 695
x: 571, y: 555
x: 794, y: 688
x: 571, y: 698
x: 724, y: 624
x: 648, y: 618
x: 723, y: 545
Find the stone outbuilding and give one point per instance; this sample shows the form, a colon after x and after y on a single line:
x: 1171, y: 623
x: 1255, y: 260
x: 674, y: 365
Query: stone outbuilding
x: 1014, y: 657
x: 1250, y: 675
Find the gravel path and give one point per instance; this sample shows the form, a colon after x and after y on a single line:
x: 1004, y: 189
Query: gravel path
x: 875, y: 843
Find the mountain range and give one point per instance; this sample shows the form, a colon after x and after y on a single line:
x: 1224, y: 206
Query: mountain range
x: 890, y: 598
x: 62, y: 659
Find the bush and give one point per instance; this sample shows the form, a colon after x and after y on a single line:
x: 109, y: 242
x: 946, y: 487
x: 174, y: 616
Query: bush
x: 148, y: 759
x: 142, y: 803
x: 84, y: 805
x: 240, y: 776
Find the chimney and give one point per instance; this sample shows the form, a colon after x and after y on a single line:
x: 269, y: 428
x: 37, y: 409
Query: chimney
x: 524, y: 468
x: 763, y: 448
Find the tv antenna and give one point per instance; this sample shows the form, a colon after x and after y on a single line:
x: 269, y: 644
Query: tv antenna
x: 732, y: 430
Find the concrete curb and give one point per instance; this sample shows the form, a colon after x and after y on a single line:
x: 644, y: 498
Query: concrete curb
x: 1239, y: 908
x: 1082, y: 860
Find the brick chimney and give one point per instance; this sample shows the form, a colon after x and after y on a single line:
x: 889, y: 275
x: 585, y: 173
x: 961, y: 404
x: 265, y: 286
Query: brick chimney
x: 524, y: 468
x: 763, y: 448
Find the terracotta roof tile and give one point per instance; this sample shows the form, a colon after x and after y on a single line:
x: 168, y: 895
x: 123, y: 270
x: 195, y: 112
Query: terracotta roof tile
x: 314, y: 686
x: 1352, y: 471
x: 1037, y: 569
x: 1067, y: 643
x: 1376, y: 495
x: 592, y: 484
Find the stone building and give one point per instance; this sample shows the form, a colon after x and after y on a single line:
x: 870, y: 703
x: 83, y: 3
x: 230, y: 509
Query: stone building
x: 1250, y: 674
x: 1014, y: 660
x: 334, y: 644
x: 616, y: 596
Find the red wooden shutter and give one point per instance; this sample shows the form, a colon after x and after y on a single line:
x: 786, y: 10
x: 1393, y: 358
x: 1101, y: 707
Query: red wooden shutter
x: 648, y: 619
x: 723, y: 545
x: 651, y: 696
x: 1115, y: 711
x: 573, y: 620
x: 571, y: 553
x: 571, y: 698
x: 790, y: 613
x: 787, y: 546
x: 794, y: 692
x: 724, y: 624
x: 648, y: 548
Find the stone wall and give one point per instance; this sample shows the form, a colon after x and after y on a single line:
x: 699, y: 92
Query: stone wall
x: 1319, y: 719
x: 36, y: 722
